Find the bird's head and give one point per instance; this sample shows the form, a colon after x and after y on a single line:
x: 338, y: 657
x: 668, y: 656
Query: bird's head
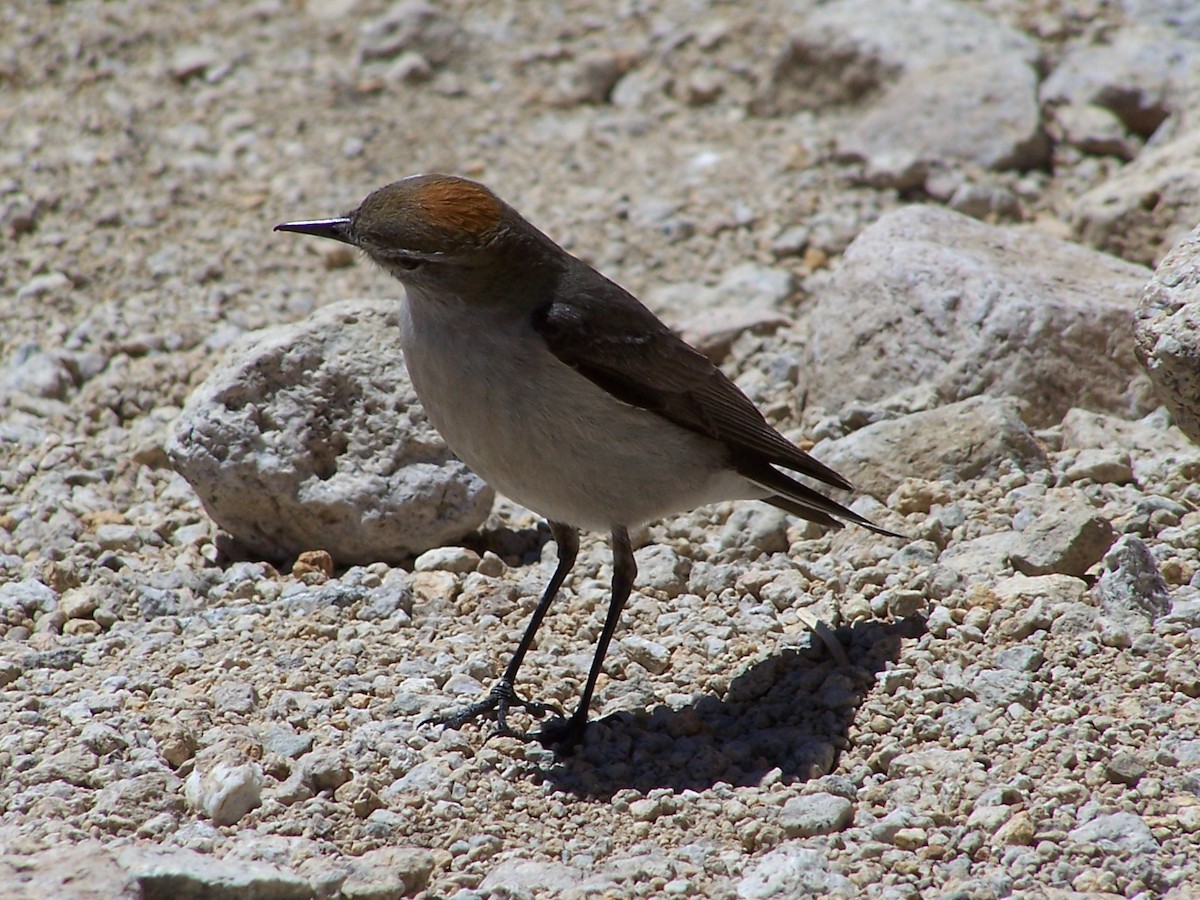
x: 439, y: 231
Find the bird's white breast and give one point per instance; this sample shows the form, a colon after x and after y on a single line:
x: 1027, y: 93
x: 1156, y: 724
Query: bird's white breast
x: 546, y: 436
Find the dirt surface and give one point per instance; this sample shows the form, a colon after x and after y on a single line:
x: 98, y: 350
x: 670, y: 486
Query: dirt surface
x: 146, y: 152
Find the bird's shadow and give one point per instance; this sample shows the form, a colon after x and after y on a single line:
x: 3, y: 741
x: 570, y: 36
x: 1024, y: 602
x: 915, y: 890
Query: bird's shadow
x: 791, y: 711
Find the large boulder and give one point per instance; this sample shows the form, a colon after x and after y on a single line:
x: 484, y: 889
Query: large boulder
x: 310, y: 436
x: 929, y: 296
x: 1167, y: 333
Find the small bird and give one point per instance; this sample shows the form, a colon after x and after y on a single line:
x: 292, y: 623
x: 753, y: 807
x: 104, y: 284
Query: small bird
x: 564, y: 393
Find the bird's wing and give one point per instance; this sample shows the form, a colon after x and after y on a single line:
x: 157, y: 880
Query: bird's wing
x: 609, y: 337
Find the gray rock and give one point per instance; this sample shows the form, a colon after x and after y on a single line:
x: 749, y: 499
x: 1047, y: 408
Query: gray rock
x: 309, y: 436
x: 1092, y: 130
x: 957, y: 442
x: 946, y: 85
x: 1156, y: 450
x: 1130, y: 588
x: 388, y: 872
x: 284, y: 740
x: 936, y: 762
x: 10, y: 671
x: 998, y: 688
x: 193, y: 61
x: 41, y: 287
x: 1181, y: 16
x: 427, y: 777
x: 1020, y: 659
x: 33, y: 371
x: 239, y: 698
x: 1145, y: 208
x: 63, y: 658
x: 187, y: 875
x: 411, y: 27
x: 28, y: 597
x: 651, y: 655
x: 1074, y: 620
x: 1125, y: 768
x: 1068, y: 538
x: 392, y: 598
x: 762, y: 528
x: 1141, y: 76
x: 712, y: 578
x: 1187, y: 753
x: 592, y: 77
x: 87, y: 871
x: 1021, y: 591
x: 981, y: 558
x: 792, y: 871
x: 850, y: 49
x: 517, y: 876
x: 1166, y: 333
x: 1119, y: 832
x: 979, y: 110
x: 74, y: 765
x: 1103, y: 466
x: 713, y: 331
x: 928, y: 296
x: 324, y: 770
x: 815, y: 814
x: 986, y: 201
x: 756, y: 290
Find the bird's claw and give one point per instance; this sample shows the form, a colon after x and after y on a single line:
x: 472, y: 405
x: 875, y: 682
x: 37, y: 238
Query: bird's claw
x: 562, y: 734
x: 499, y: 700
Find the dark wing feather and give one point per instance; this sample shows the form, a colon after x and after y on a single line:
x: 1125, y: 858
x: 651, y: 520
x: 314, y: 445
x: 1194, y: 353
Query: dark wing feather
x: 801, y: 500
x: 606, y: 335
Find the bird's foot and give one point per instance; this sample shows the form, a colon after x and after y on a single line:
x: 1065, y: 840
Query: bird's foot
x: 499, y: 700
x: 563, y: 735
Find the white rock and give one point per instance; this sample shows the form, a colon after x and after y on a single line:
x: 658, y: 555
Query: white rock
x: 791, y: 871
x: 309, y: 436
x: 226, y: 792
x: 458, y: 560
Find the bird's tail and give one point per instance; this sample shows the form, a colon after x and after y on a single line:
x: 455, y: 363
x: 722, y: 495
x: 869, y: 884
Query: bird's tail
x: 800, y: 500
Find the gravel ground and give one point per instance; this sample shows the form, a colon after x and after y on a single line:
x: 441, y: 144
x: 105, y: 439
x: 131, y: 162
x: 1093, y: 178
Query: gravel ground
x: 1006, y: 705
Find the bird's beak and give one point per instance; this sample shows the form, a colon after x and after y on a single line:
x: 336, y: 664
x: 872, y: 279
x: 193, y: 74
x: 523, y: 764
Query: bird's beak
x: 338, y: 229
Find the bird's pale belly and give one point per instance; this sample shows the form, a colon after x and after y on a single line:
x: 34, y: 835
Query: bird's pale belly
x: 548, y: 438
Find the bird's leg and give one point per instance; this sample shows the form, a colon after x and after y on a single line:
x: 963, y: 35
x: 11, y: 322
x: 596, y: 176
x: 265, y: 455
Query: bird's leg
x: 503, y: 695
x: 566, y: 734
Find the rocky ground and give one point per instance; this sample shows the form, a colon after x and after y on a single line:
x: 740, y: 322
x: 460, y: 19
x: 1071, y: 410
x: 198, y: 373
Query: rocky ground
x: 914, y: 231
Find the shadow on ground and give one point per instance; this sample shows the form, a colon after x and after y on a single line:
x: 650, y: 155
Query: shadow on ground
x: 790, y: 711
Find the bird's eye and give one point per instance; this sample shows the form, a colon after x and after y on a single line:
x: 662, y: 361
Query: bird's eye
x: 407, y: 262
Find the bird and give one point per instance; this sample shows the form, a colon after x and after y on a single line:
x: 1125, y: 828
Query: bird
x: 566, y: 394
